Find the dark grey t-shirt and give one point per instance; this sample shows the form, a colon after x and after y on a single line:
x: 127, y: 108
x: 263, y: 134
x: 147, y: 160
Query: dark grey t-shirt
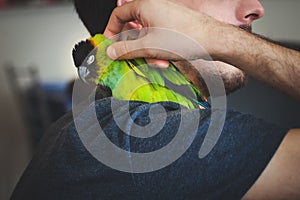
x: 63, y: 168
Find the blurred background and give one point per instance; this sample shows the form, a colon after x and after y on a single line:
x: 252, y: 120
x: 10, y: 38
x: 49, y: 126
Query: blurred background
x: 36, y: 68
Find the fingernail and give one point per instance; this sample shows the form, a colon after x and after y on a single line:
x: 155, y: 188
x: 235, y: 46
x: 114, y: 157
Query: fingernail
x: 111, y: 52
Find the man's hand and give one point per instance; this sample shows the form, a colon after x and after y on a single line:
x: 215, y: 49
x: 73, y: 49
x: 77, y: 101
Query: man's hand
x: 183, y: 21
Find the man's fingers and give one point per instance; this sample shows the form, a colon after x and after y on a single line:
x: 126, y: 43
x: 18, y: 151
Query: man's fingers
x: 136, y: 49
x: 157, y: 63
x: 119, y: 17
x: 125, y: 49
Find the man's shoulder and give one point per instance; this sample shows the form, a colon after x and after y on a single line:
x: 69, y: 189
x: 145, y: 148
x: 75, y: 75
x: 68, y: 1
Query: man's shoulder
x: 68, y: 156
x: 110, y: 112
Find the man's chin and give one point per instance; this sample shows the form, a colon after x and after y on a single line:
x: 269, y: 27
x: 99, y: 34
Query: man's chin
x: 233, y: 78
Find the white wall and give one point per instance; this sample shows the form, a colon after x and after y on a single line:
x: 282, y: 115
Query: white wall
x: 43, y: 37
x: 281, y: 20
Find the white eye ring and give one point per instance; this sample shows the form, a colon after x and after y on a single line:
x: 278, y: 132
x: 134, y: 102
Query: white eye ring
x: 90, y: 60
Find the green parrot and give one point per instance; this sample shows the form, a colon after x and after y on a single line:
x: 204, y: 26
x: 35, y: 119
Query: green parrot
x: 133, y: 79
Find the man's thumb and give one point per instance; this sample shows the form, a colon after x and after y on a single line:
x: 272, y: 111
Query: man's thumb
x: 111, y: 52
x: 126, y: 49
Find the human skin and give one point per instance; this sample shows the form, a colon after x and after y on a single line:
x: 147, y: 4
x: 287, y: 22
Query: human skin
x: 225, y: 42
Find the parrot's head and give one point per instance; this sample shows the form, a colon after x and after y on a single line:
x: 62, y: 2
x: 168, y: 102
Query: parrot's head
x: 80, y: 51
x: 85, y: 56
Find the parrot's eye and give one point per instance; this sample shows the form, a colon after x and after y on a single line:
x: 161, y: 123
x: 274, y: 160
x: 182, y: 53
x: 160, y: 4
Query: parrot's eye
x: 90, y: 59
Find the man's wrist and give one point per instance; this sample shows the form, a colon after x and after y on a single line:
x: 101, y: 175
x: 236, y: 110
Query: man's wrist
x: 227, y: 44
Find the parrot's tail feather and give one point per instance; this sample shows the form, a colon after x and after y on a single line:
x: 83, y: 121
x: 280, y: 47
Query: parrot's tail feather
x: 81, y: 51
x: 204, y: 104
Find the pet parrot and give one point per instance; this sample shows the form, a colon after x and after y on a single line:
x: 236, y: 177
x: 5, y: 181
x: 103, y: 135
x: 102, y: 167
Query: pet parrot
x: 133, y: 79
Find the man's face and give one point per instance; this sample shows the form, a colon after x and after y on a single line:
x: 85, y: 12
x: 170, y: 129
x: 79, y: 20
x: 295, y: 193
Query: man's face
x: 240, y: 13
x: 235, y: 12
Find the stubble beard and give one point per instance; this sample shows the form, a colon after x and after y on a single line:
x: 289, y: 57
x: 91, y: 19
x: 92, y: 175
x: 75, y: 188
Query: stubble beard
x: 233, y: 78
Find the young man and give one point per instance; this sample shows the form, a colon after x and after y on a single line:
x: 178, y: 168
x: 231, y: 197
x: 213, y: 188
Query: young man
x: 241, y: 164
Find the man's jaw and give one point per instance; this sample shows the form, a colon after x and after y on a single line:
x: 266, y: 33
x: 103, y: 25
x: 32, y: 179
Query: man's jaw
x: 199, y: 71
x: 232, y: 77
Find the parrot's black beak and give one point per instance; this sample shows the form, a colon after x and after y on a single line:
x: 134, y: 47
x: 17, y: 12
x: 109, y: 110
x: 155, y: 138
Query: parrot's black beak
x: 87, y: 71
x: 83, y: 73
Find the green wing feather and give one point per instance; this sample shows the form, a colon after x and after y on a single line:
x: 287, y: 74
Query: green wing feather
x: 135, y: 80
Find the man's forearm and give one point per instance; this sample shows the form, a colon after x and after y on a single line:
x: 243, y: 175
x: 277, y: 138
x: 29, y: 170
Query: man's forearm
x: 271, y: 63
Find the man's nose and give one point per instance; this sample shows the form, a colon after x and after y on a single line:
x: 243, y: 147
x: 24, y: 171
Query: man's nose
x: 249, y: 10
